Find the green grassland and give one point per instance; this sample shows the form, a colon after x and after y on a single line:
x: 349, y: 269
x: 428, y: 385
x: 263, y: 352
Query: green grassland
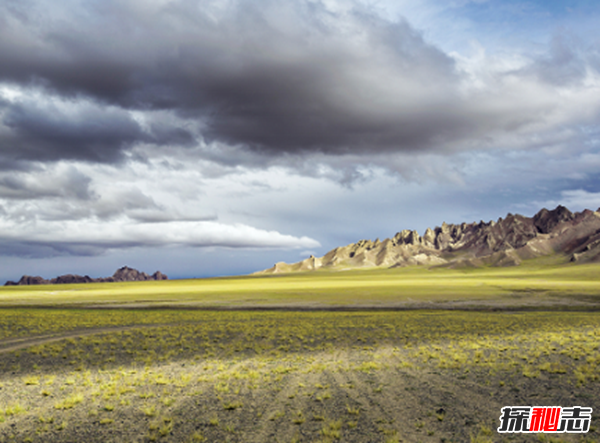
x: 536, y: 283
x: 311, y: 372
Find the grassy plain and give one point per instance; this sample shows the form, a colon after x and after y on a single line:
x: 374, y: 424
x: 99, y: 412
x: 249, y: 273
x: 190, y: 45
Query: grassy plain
x: 69, y: 374
x: 541, y: 282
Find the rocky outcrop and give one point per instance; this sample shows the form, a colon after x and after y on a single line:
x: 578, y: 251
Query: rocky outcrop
x: 123, y: 274
x: 130, y: 274
x: 28, y: 280
x: 70, y: 278
x: 159, y: 276
x: 505, y: 242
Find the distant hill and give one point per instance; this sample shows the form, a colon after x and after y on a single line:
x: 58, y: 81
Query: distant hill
x: 123, y: 274
x: 505, y: 242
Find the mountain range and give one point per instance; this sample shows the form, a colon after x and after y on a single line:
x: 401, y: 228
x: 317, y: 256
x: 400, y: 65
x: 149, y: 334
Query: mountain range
x: 123, y: 274
x: 505, y: 242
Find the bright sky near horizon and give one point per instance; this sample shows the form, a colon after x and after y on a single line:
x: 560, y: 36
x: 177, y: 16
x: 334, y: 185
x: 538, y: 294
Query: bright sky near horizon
x: 217, y: 137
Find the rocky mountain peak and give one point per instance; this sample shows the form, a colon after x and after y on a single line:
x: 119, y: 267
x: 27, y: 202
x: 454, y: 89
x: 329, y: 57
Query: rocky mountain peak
x: 545, y: 221
x: 505, y: 242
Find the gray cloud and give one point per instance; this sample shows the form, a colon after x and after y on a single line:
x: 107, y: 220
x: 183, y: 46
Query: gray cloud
x: 279, y: 78
x: 33, y: 249
x: 47, y: 129
x: 566, y: 62
x: 157, y: 216
x: 67, y: 183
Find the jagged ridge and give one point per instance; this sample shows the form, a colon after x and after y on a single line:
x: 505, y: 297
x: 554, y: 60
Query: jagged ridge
x: 123, y: 274
x: 505, y: 242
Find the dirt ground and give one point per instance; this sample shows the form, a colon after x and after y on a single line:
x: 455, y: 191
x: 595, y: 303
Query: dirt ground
x: 429, y: 376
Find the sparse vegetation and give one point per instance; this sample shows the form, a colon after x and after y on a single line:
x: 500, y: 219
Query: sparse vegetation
x: 184, y: 375
x: 542, y: 282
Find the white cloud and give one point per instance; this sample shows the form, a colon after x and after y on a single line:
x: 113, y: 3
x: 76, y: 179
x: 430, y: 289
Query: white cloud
x: 95, y: 237
x: 576, y: 200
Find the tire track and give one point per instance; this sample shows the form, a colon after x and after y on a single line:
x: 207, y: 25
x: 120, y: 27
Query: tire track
x: 17, y: 344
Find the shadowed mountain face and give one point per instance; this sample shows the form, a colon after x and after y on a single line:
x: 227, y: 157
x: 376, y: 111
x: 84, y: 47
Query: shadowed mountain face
x: 505, y: 242
x: 123, y: 274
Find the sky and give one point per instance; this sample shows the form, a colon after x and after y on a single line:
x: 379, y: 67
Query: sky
x: 217, y: 137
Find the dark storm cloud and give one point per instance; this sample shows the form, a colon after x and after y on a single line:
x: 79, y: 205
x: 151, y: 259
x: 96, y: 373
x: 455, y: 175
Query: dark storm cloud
x: 46, y: 133
x: 287, y: 76
x: 276, y: 78
x: 47, y: 130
